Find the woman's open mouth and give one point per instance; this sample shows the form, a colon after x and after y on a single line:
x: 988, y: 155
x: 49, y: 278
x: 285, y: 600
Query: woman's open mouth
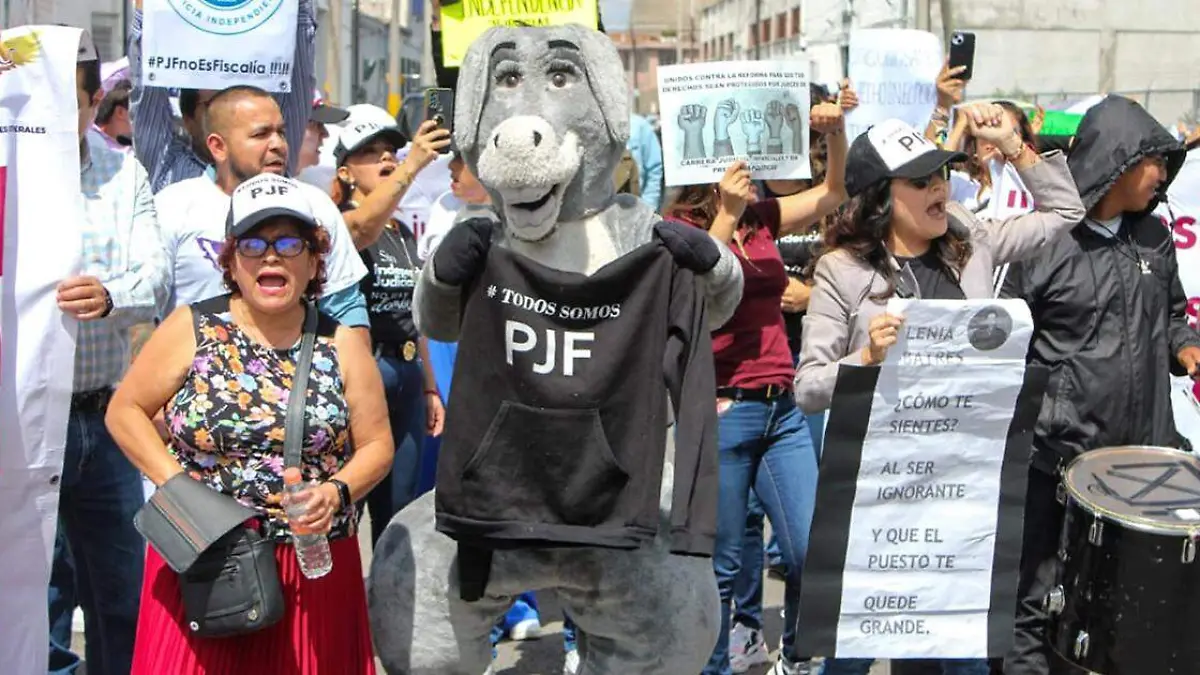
x: 937, y: 209
x: 387, y: 171
x: 535, y: 205
x: 272, y: 283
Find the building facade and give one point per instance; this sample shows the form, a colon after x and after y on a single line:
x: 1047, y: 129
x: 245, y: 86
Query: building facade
x: 1049, y: 53
x: 660, y: 33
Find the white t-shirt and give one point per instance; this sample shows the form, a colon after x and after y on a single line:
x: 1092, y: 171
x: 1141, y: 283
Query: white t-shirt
x: 442, y: 214
x: 192, y: 215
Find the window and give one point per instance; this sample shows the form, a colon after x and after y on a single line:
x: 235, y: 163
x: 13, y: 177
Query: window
x: 106, y: 36
x: 764, y: 31
x: 666, y: 57
x: 781, y: 26
x: 796, y: 21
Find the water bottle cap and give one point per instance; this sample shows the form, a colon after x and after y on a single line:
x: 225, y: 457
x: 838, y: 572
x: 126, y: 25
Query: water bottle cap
x: 291, y: 476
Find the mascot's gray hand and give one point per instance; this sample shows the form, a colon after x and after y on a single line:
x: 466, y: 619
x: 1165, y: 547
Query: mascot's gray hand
x: 691, y: 246
x: 463, y: 251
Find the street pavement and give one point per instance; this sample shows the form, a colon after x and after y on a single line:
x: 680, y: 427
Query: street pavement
x: 544, y: 656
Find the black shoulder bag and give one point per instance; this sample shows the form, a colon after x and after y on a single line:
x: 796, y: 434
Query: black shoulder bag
x: 227, y: 572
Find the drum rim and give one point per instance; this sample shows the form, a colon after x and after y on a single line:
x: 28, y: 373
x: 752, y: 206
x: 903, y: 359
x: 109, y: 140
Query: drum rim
x: 1135, y: 523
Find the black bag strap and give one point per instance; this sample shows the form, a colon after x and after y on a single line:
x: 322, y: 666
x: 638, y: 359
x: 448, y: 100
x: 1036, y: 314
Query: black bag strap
x: 293, y: 429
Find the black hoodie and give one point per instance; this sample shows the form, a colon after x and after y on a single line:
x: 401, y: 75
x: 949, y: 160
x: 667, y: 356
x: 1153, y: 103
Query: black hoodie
x: 1108, y: 310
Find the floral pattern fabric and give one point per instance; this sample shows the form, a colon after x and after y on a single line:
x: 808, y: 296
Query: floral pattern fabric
x: 227, y: 420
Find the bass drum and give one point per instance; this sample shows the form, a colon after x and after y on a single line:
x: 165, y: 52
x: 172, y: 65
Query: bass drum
x: 1129, y: 580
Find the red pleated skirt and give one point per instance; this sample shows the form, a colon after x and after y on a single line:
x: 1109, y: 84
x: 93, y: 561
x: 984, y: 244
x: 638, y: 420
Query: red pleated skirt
x: 324, y: 630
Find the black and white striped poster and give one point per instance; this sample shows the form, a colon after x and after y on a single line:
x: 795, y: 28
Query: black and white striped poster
x: 916, y: 538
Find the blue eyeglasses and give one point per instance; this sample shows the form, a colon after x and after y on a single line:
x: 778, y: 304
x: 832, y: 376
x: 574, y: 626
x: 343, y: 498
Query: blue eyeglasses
x: 285, y: 247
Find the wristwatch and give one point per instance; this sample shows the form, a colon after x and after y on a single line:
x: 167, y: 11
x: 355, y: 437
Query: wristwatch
x: 108, y: 304
x: 343, y: 491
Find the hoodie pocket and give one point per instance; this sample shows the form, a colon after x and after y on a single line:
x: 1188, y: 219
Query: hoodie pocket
x: 544, y: 465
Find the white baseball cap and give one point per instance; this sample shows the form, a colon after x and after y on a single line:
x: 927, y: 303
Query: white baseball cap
x: 358, y: 133
x: 267, y: 196
x: 892, y: 149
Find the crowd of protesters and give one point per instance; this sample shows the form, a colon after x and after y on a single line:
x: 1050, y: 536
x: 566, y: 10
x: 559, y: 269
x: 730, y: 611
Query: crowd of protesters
x: 820, y: 257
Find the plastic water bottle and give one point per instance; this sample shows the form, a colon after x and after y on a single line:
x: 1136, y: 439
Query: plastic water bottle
x: 312, y: 550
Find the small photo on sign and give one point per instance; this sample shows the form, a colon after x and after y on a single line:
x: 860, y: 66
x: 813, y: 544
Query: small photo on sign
x: 989, y: 329
x: 714, y: 114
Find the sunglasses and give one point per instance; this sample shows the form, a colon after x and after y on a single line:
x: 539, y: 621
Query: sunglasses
x: 285, y: 247
x: 924, y: 181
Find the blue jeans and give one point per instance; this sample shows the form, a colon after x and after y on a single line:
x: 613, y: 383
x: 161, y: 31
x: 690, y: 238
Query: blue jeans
x: 748, y: 587
x: 767, y: 446
x: 404, y: 387
x: 863, y: 666
x: 98, y: 555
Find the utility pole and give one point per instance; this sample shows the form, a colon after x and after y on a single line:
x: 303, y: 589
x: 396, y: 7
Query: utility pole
x: 758, y: 38
x: 847, y: 25
x: 333, y: 52
x: 355, y: 72
x: 400, y: 12
x: 947, y: 20
x: 923, y: 17
x: 633, y: 57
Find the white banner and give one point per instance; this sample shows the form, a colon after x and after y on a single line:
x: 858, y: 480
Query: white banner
x: 213, y: 44
x: 1182, y: 215
x: 894, y: 72
x: 41, y: 246
x: 911, y: 520
x: 716, y: 113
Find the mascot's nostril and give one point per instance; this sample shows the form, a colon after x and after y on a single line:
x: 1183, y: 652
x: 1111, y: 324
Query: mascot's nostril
x: 537, y: 138
x: 496, y: 141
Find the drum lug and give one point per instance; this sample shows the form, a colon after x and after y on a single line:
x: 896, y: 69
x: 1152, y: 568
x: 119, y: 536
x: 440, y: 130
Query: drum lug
x: 1055, y: 600
x: 1081, y: 644
x: 1096, y: 532
x: 1060, y: 493
x: 1189, y: 551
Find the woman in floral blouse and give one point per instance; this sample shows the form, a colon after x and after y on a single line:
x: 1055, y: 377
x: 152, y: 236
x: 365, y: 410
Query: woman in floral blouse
x: 223, y: 369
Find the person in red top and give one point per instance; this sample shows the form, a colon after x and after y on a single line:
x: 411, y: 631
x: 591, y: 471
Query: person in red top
x: 764, y: 439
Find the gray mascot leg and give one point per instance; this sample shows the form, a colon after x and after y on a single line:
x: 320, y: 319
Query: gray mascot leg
x: 628, y: 629
x: 420, y: 626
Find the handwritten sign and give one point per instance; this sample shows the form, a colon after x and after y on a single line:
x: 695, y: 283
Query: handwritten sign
x: 1181, y: 213
x: 717, y: 113
x: 895, y: 74
x: 465, y: 20
x: 921, y: 490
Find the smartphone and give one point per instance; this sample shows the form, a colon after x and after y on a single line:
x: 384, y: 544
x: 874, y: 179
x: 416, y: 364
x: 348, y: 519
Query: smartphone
x: 439, y: 107
x: 962, y: 52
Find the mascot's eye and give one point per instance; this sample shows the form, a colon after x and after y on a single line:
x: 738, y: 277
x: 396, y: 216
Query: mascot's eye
x: 509, y: 80
x: 559, y: 80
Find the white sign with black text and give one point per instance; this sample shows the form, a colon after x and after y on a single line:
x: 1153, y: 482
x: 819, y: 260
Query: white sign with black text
x: 717, y: 113
x: 213, y: 44
x: 918, y: 515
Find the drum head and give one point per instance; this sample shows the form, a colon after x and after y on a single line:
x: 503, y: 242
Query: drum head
x: 1144, y: 488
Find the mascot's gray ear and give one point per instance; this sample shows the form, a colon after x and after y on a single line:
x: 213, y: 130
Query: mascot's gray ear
x: 606, y: 75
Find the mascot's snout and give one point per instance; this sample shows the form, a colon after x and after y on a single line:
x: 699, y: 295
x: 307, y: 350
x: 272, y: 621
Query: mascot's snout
x: 529, y: 164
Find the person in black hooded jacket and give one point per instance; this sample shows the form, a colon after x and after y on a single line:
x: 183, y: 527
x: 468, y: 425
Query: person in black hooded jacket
x: 1108, y: 312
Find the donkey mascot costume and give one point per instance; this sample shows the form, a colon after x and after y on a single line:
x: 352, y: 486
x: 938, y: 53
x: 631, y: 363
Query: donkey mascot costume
x: 580, y: 452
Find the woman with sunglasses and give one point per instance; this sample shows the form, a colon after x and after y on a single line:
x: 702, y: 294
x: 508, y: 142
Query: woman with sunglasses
x: 222, y: 370
x: 371, y: 181
x: 764, y: 441
x: 900, y: 236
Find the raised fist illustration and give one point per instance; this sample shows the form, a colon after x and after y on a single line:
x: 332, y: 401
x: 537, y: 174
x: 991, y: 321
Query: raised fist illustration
x: 753, y: 126
x: 774, y: 118
x: 726, y: 115
x: 691, y: 123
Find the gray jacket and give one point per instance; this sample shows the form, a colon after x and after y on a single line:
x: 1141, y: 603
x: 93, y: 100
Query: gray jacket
x: 839, y: 310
